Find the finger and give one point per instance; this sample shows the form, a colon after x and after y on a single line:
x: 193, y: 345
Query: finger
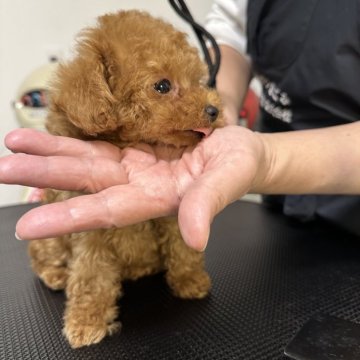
x: 40, y: 143
x: 102, y: 210
x: 203, y: 201
x: 196, y: 211
x: 82, y: 174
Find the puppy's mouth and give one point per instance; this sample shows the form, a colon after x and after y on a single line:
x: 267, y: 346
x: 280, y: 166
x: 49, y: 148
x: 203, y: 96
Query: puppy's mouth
x: 200, y: 133
x: 186, y: 137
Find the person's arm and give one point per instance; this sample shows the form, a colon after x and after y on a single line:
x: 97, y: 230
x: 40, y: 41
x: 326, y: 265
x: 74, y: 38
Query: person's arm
x: 227, y: 23
x: 232, y: 82
x: 136, y: 184
x: 319, y: 161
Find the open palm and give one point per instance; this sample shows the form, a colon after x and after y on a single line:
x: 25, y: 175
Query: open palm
x: 123, y: 187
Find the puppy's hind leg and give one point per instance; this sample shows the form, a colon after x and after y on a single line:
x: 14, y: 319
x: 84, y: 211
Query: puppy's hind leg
x: 185, y: 274
x: 49, y: 259
x: 92, y: 291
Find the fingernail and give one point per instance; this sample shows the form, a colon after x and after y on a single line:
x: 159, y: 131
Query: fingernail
x: 203, y: 248
x: 17, y: 236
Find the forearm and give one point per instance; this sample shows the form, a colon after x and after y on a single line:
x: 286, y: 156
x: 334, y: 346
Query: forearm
x: 232, y: 82
x: 323, y: 161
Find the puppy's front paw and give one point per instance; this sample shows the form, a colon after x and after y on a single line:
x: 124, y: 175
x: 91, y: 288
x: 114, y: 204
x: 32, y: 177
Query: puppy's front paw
x: 82, y: 335
x: 194, y: 285
x: 55, y: 277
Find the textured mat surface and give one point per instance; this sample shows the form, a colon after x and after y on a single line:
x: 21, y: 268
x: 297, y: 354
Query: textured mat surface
x: 269, y: 277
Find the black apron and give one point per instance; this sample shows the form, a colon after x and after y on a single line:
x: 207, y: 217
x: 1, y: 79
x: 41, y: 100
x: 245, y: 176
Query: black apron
x: 307, y: 55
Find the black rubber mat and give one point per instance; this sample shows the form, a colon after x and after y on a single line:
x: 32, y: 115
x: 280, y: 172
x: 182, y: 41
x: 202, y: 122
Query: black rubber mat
x: 269, y: 277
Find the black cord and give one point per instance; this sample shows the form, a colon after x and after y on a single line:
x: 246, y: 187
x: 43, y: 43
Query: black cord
x: 180, y: 7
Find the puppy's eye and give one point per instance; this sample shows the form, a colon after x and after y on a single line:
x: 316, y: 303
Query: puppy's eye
x: 163, y: 86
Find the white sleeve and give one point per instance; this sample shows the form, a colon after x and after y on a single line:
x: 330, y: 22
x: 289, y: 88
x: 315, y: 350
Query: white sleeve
x: 227, y: 23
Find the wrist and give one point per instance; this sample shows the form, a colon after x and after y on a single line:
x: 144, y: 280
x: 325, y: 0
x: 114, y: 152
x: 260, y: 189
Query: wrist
x: 263, y: 178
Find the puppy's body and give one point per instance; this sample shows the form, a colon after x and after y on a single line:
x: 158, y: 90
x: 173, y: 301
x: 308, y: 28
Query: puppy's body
x: 134, y: 79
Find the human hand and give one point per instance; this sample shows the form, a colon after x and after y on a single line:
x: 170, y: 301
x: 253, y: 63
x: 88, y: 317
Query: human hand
x: 127, y: 186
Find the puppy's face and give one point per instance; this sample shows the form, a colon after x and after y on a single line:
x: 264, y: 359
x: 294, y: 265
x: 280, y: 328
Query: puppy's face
x: 136, y: 79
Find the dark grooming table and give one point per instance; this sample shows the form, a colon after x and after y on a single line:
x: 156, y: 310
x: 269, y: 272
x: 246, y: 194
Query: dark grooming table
x: 269, y: 277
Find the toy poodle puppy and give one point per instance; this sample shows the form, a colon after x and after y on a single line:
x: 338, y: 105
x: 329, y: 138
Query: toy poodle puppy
x: 134, y: 78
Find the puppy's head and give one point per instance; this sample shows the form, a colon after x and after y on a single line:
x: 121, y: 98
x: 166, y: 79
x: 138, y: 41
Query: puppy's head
x: 136, y: 79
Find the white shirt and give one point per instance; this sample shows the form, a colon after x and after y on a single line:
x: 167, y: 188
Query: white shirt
x: 227, y: 23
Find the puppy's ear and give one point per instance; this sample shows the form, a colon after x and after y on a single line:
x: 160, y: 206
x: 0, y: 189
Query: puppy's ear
x: 83, y: 92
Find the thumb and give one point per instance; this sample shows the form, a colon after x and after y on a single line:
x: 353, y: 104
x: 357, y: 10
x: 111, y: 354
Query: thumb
x: 202, y: 202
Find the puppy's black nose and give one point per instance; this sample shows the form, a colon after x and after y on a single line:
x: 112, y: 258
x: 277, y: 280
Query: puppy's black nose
x: 212, y: 112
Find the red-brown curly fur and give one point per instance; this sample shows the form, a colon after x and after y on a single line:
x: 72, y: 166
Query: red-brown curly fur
x: 107, y: 92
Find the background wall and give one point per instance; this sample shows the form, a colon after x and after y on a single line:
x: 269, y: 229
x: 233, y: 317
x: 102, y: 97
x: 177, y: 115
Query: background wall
x: 32, y: 31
